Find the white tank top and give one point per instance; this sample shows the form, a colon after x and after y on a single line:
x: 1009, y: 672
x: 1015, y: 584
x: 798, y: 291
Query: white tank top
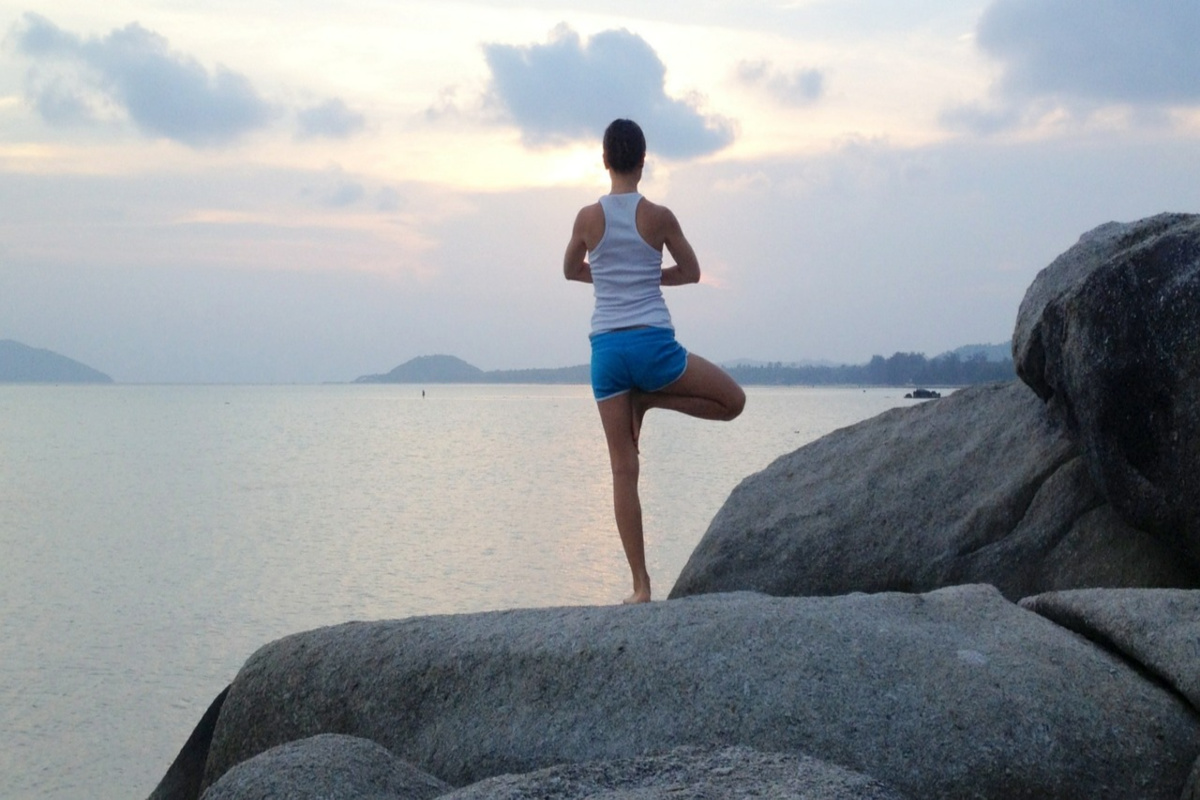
x: 626, y: 271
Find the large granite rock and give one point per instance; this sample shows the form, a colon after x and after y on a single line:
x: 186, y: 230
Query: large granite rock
x: 685, y: 773
x: 182, y: 780
x: 1191, y: 790
x: 956, y: 693
x: 326, y: 767
x: 982, y: 486
x: 1109, y: 335
x: 1157, y: 629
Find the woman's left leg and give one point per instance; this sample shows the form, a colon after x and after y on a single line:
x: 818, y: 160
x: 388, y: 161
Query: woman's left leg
x: 704, y: 390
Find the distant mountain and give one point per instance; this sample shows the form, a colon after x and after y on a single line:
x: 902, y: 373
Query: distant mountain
x: 991, y: 352
x: 22, y: 364
x: 448, y: 369
x: 976, y: 363
x: 429, y: 369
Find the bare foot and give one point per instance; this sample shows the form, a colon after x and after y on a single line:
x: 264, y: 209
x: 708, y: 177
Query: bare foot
x: 637, y: 597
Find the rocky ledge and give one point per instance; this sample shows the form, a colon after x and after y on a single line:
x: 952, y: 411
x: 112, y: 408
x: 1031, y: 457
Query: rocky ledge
x: 991, y: 595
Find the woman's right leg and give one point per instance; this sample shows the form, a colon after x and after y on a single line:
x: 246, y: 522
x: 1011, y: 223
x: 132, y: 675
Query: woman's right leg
x: 616, y: 415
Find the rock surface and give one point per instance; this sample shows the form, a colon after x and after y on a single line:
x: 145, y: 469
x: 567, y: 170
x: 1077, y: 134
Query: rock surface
x: 1158, y: 629
x: 685, y: 773
x: 957, y: 693
x: 182, y: 781
x: 1191, y: 791
x: 1109, y: 334
x: 981, y: 486
x: 326, y: 767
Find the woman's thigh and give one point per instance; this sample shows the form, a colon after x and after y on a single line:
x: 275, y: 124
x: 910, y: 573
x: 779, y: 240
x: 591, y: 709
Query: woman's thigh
x: 702, y: 378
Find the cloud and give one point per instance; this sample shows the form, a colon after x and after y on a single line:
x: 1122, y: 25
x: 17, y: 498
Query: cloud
x: 1096, y: 51
x: 347, y: 194
x: 332, y: 119
x: 799, y: 87
x: 981, y: 119
x: 57, y: 102
x: 567, y: 90
x: 388, y: 200
x: 164, y: 93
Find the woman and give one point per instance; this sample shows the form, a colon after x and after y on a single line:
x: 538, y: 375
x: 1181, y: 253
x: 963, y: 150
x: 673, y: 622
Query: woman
x: 617, y: 245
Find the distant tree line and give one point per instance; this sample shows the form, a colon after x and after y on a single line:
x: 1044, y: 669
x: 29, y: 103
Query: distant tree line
x: 902, y: 369
x: 580, y: 373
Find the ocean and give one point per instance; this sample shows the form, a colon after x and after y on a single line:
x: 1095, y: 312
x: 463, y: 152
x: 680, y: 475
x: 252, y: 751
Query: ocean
x: 153, y: 537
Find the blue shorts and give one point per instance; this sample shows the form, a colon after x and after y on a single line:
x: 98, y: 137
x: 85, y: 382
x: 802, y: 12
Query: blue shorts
x: 647, y: 359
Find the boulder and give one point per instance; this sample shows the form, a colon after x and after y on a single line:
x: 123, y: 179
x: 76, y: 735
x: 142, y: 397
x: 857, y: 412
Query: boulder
x: 1157, y: 629
x: 685, y: 772
x: 1191, y: 790
x: 182, y: 781
x: 955, y: 693
x: 1109, y: 335
x: 326, y: 767
x: 984, y: 486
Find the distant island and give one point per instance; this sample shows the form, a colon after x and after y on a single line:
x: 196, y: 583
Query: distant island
x: 449, y: 369
x: 23, y: 364
x: 964, y: 366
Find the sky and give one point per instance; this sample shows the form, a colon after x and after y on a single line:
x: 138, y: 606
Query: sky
x: 291, y: 191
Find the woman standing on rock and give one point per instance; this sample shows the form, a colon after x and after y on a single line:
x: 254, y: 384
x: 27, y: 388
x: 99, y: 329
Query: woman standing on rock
x: 617, y: 246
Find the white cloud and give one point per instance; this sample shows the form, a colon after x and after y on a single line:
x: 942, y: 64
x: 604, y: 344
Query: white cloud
x: 56, y: 101
x: 800, y: 87
x: 568, y: 90
x: 331, y: 119
x: 1070, y: 61
x: 1103, y: 51
x: 165, y: 94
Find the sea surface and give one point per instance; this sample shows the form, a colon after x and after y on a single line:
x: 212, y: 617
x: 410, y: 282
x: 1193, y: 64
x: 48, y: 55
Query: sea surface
x: 153, y: 537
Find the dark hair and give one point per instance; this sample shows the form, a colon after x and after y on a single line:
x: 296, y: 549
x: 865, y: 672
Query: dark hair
x: 624, y: 145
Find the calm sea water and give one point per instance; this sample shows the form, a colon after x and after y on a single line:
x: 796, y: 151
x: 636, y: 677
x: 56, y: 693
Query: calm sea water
x: 152, y: 537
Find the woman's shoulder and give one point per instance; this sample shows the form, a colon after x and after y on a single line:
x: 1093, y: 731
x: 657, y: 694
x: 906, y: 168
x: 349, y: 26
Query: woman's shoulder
x: 656, y: 218
x: 590, y: 214
x: 589, y: 224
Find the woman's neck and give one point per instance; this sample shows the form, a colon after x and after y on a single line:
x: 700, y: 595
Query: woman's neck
x: 625, y: 182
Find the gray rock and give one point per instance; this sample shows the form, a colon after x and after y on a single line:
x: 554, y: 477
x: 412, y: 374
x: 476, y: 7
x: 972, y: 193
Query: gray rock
x: 981, y: 486
x: 182, y: 781
x: 957, y: 693
x: 1158, y: 629
x: 686, y: 772
x: 326, y: 767
x: 1109, y: 334
x: 1191, y: 790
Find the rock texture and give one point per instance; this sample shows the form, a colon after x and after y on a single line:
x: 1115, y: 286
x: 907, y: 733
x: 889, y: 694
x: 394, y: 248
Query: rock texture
x: 1191, y: 790
x: 685, y: 773
x: 326, y: 767
x: 956, y: 693
x: 982, y: 486
x: 1158, y: 629
x: 182, y: 781
x: 1109, y: 334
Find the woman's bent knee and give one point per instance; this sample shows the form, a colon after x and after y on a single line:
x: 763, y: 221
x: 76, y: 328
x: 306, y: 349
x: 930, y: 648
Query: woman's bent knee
x: 738, y: 406
x: 735, y: 410
x: 734, y: 403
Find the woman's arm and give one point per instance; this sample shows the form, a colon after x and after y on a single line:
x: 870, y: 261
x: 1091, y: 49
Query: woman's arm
x: 687, y: 266
x: 575, y: 265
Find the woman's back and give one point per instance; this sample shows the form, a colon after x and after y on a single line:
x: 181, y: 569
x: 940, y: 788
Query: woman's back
x: 626, y: 271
